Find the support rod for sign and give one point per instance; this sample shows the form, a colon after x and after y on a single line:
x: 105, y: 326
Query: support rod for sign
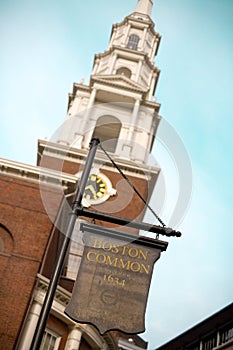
x: 41, y: 324
x: 166, y: 231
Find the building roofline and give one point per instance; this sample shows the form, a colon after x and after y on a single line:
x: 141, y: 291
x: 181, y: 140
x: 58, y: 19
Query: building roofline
x: 37, y: 174
x: 202, y: 328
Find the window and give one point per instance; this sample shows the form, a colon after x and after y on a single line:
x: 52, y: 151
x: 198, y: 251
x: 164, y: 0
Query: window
x: 6, y: 240
x: 133, y: 42
x: 108, y: 130
x: 124, y: 71
x: 50, y: 341
x: 226, y: 334
x: 210, y: 342
x: 229, y: 335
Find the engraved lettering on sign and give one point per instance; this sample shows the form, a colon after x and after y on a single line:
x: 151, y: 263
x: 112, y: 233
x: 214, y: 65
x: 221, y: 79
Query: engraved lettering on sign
x: 123, y: 250
x: 114, y: 280
x: 122, y: 258
x: 128, y: 265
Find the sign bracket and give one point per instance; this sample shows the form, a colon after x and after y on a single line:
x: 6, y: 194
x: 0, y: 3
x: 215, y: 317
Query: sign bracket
x: 166, y: 231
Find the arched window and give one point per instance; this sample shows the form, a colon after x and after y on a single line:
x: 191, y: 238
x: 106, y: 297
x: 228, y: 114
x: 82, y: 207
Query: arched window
x: 133, y: 42
x: 108, y: 130
x: 6, y: 240
x: 124, y: 71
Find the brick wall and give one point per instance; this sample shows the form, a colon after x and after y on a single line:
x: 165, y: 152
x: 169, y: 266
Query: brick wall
x: 24, y: 233
x: 125, y: 203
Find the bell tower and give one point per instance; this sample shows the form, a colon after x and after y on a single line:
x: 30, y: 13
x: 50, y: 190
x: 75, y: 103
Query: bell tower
x: 119, y: 107
x: 123, y: 82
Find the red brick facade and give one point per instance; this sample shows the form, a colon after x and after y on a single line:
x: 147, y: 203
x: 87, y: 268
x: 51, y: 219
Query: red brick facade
x: 24, y: 232
x: 126, y: 203
x: 26, y: 245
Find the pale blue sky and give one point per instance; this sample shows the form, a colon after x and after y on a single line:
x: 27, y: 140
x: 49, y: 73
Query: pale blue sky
x: 48, y: 45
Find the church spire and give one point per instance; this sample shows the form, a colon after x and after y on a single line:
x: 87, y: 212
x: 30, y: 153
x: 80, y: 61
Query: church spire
x: 144, y: 6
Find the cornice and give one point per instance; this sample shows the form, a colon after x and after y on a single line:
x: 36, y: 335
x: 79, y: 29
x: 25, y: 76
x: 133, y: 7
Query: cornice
x: 118, y: 81
x: 37, y: 174
x: 72, y: 154
x: 151, y: 104
x: 79, y: 86
x: 136, y: 54
x: 62, y: 295
x: 140, y: 19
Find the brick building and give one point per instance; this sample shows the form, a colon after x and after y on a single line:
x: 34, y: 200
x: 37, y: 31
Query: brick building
x: 215, y: 332
x: 119, y: 107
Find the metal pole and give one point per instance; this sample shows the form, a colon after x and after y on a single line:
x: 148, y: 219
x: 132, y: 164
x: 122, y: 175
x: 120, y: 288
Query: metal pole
x: 41, y: 324
x: 166, y: 231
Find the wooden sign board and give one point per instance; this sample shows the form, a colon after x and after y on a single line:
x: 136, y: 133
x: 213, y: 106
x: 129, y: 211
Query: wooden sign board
x: 113, y: 281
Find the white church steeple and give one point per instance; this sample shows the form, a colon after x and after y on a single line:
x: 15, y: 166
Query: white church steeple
x: 123, y: 74
x: 144, y: 7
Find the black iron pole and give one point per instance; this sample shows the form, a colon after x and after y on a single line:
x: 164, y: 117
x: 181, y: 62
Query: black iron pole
x: 41, y: 324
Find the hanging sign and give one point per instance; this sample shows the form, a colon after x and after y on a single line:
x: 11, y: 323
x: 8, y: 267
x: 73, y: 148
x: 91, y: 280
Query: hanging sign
x: 113, y: 281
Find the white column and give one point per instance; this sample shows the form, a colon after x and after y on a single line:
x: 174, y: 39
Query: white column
x: 113, y: 64
x: 74, y: 339
x: 218, y: 339
x: 152, y: 84
x: 65, y: 132
x: 80, y: 134
x: 127, y: 147
x: 154, y: 48
x: 66, y: 135
x: 112, y: 38
x: 96, y: 66
x: 143, y: 38
x: 75, y: 106
x: 139, y: 70
x: 30, y: 326
x: 126, y: 35
x: 134, y: 118
x: 91, y: 100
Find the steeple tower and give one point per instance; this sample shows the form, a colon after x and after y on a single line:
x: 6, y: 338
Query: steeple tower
x: 124, y: 74
x: 145, y: 7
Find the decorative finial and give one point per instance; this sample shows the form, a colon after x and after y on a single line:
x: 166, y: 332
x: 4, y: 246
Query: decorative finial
x: 144, y: 6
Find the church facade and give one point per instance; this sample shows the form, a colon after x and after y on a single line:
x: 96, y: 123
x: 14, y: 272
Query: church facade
x: 119, y: 107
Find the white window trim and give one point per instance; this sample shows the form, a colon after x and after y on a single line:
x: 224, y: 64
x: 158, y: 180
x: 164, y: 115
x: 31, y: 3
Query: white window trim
x: 53, y: 334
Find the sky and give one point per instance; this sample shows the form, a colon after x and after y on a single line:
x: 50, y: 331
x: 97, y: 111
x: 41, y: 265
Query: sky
x: 48, y: 45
